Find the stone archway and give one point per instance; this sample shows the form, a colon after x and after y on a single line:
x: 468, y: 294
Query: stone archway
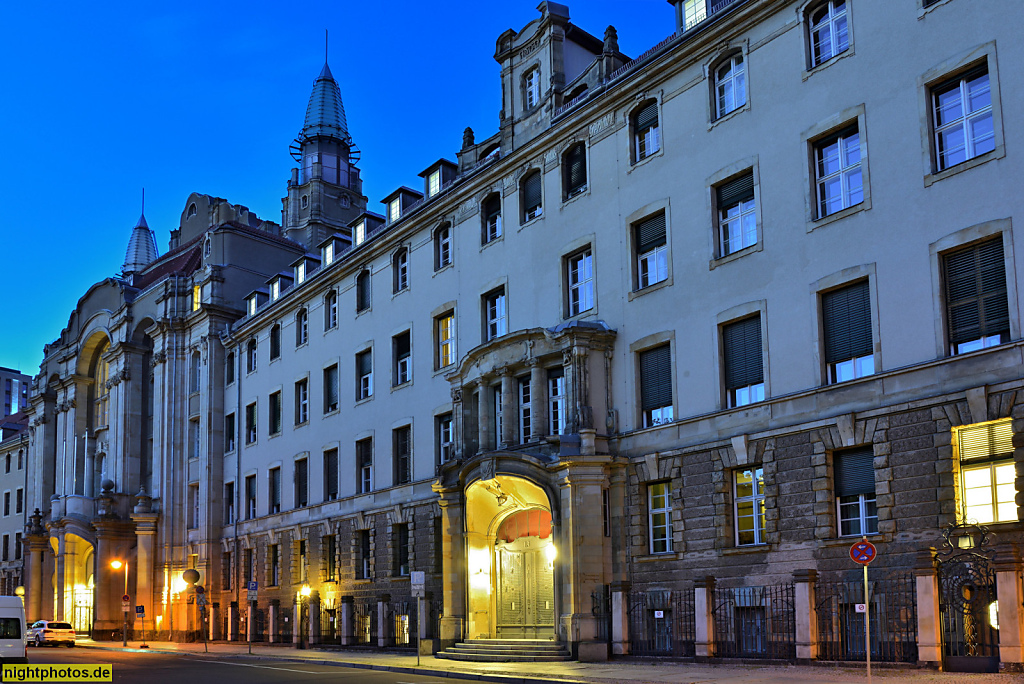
x: 510, y: 556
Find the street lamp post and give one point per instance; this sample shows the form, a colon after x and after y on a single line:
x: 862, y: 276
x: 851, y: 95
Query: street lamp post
x: 116, y: 565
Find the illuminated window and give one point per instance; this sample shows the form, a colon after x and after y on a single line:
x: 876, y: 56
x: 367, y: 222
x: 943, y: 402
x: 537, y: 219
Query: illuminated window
x: 197, y: 295
x: 434, y: 183
x: 659, y: 503
x: 445, y: 335
x: 748, y: 506
x: 394, y: 210
x: 360, y: 232
x: 987, y: 471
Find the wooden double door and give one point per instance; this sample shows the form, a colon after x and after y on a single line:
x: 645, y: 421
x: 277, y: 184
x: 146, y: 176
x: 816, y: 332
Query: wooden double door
x: 525, y: 589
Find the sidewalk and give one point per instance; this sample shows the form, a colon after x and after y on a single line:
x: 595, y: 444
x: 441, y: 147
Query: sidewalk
x: 612, y: 672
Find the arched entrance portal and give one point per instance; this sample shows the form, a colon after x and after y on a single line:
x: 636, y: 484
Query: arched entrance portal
x: 78, y: 583
x: 511, y: 553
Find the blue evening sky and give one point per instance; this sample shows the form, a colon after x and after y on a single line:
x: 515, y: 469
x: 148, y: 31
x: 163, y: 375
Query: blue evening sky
x: 101, y: 99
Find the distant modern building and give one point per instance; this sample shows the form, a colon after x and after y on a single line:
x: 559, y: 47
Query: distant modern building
x: 633, y: 372
x: 14, y: 444
x: 15, y: 388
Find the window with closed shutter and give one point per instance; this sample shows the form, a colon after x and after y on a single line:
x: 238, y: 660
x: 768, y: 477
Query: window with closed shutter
x: 330, y: 389
x: 531, y: 196
x: 976, y: 304
x: 741, y: 351
x: 402, y: 359
x: 737, y: 214
x: 647, y: 140
x: 574, y: 170
x: 656, y: 385
x: 363, y: 291
x: 330, y: 475
x: 650, y: 233
x: 491, y: 216
x: 364, y: 375
x: 651, y: 251
x: 854, y: 478
x: 403, y: 455
x: 846, y: 323
x: 301, y: 483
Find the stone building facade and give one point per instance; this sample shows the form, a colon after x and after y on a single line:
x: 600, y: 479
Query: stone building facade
x: 674, y: 320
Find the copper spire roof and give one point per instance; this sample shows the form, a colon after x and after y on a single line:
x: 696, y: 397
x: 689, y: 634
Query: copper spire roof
x: 141, y: 248
x: 325, y: 114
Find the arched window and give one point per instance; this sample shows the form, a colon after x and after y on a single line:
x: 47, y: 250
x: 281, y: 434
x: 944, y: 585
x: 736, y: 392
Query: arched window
x: 275, y: 342
x: 646, y: 132
x: 305, y: 201
x: 490, y: 214
x: 531, y: 88
x: 400, y: 269
x: 530, y: 205
x: 574, y: 170
x: 191, y: 211
x: 207, y: 247
x: 363, y: 290
x: 301, y: 327
x: 829, y: 32
x: 102, y: 393
x: 730, y: 84
x: 250, y: 356
x: 331, y: 310
x: 442, y: 246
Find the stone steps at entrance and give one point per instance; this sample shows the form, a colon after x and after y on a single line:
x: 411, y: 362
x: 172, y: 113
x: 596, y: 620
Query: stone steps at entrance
x: 506, y: 651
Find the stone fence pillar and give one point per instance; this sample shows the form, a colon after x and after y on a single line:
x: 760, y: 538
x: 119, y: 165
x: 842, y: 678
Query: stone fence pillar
x: 382, y: 619
x: 233, y: 621
x: 1011, y: 598
x: 929, y: 623
x: 703, y: 597
x: 620, y: 618
x: 314, y: 618
x: 348, y: 620
x: 273, y: 617
x: 806, y: 616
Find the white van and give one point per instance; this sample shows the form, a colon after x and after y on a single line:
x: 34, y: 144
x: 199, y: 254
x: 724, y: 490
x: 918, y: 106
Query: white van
x: 12, y: 630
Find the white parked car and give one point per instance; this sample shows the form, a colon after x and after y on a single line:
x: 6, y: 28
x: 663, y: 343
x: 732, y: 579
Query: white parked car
x: 51, y: 632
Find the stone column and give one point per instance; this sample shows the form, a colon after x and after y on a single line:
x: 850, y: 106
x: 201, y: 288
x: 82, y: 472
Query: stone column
x: 113, y: 538
x: 213, y: 610
x: 929, y: 623
x: 509, y: 415
x: 1011, y: 598
x: 313, y: 605
x: 35, y: 543
x: 348, y: 621
x: 272, y: 617
x: 145, y: 536
x: 620, y: 618
x: 484, y: 410
x: 538, y: 402
x: 233, y: 621
x: 60, y: 589
x: 703, y: 597
x: 297, y: 626
x: 382, y: 619
x: 453, y: 560
x: 806, y: 616
x: 618, y: 521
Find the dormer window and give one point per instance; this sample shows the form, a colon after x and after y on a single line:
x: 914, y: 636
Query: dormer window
x: 300, y: 273
x: 434, y: 183
x: 191, y: 211
x: 275, y: 290
x: 329, y: 254
x: 532, y: 83
x: 251, y: 305
x: 360, y: 232
x: 394, y: 209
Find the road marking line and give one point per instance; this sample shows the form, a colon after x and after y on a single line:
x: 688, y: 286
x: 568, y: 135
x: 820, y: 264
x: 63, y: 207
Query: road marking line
x: 263, y: 667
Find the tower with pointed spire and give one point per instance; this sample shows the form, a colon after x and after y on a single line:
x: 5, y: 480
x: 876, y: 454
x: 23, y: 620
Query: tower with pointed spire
x: 325, y: 193
x: 141, y: 249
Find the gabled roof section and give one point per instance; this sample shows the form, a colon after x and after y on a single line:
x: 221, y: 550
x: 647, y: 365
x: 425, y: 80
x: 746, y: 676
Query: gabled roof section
x: 141, y: 248
x: 325, y: 114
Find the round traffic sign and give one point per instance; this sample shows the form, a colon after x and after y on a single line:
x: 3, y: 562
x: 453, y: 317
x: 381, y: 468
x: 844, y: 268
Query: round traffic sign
x: 863, y: 552
x: 200, y: 589
x: 126, y: 597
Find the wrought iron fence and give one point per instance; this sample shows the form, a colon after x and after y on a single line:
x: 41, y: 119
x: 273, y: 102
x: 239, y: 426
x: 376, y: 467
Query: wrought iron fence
x: 330, y: 624
x: 755, y: 622
x: 284, y: 624
x: 364, y: 617
x: 436, y: 607
x: 893, y: 615
x: 401, y: 623
x: 601, y: 608
x: 661, y: 622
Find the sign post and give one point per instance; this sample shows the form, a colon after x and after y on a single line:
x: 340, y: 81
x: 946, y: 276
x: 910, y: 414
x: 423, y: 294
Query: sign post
x: 864, y: 552
x: 140, y: 614
x: 251, y: 586
x: 126, y: 605
x: 417, y: 582
x: 201, y: 602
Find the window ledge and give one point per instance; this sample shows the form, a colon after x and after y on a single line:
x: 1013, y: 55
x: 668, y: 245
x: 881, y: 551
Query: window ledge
x: 272, y: 436
x: 330, y: 329
x: 252, y: 443
x: 839, y: 215
x: 738, y: 254
x: 300, y: 345
x: 487, y: 244
x: 332, y: 413
x: 851, y: 539
x: 447, y: 267
x: 445, y: 369
x: 654, y: 155
x: 923, y: 11
x: 364, y: 311
x: 363, y: 580
x: 302, y: 424
x: 400, y: 292
x: 407, y: 383
x: 654, y: 557
x: 747, y: 549
x: 364, y: 400
x: 849, y: 52
x: 400, y: 578
x: 535, y: 219
x: 998, y: 153
x: 275, y: 359
x: 667, y: 282
x: 566, y: 201
x: 733, y: 113
x: 583, y: 315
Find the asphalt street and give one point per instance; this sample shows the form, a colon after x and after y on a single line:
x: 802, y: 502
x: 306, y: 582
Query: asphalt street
x: 163, y: 668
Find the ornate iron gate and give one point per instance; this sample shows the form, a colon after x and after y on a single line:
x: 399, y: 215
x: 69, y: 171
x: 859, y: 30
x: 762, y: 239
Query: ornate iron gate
x: 893, y: 619
x: 755, y: 622
x: 662, y: 622
x: 967, y: 600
